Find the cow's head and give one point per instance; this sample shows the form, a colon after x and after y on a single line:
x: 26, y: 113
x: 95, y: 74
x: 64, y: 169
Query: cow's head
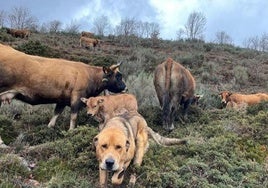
x: 112, y: 79
x: 225, y: 97
x: 93, y: 104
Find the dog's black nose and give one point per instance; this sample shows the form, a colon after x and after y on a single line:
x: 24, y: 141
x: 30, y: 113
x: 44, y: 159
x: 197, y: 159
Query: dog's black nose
x: 109, y: 163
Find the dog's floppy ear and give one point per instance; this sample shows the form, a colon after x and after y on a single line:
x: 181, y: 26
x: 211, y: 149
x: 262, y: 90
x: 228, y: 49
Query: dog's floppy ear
x: 127, y: 145
x: 84, y: 100
x: 100, y: 101
x: 95, y: 141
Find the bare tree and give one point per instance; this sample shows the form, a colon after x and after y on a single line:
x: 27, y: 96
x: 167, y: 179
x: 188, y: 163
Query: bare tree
x: 154, y: 30
x: 2, y: 18
x: 195, y: 25
x: 21, y: 18
x: 54, y: 26
x: 263, y: 43
x: 127, y: 27
x: 72, y: 28
x: 252, y: 43
x: 223, y: 38
x: 180, y: 34
x: 101, y: 25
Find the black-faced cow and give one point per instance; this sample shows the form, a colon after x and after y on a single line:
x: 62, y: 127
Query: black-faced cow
x: 174, y: 86
x: 38, y: 80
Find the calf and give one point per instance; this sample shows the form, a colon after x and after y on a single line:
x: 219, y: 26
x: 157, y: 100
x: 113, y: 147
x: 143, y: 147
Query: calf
x: 234, y: 100
x: 102, y: 108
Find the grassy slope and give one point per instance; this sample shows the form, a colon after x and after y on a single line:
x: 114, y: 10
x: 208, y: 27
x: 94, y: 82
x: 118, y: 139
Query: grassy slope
x: 226, y: 148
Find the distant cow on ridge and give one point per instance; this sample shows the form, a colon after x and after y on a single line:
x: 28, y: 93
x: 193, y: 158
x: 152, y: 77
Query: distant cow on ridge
x: 174, y: 86
x: 89, y: 42
x: 22, y: 33
x: 38, y: 80
x: 87, y: 34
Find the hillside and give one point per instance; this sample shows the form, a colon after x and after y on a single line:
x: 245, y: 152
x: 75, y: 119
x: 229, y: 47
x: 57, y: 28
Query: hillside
x: 226, y: 148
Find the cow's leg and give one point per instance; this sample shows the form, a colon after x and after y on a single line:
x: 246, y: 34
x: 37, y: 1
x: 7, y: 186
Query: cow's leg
x: 58, y: 110
x: 75, y: 107
x: 73, y: 120
x: 185, y: 109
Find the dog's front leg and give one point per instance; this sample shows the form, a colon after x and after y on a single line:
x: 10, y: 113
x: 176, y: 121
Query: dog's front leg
x: 103, y: 178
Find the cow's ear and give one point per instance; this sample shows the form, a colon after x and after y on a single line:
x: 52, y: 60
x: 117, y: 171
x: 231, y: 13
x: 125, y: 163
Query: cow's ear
x: 106, y: 70
x: 230, y: 93
x: 100, y: 101
x: 127, y: 145
x: 84, y: 100
x: 95, y: 141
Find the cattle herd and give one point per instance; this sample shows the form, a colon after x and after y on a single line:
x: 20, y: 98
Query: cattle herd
x: 123, y: 132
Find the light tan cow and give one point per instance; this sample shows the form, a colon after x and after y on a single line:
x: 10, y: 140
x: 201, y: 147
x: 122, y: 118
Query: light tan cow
x: 103, y: 108
x: 89, y: 42
x: 87, y: 34
x: 39, y: 80
x: 236, y: 100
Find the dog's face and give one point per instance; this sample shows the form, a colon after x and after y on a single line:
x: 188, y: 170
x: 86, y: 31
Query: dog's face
x: 93, y: 104
x: 111, y: 149
x: 225, y: 97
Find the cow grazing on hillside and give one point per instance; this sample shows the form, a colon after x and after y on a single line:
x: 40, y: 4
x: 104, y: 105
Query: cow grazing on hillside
x: 87, y: 34
x: 103, y: 108
x: 174, y: 86
x: 21, y: 33
x: 38, y: 80
x: 236, y: 100
x: 89, y: 42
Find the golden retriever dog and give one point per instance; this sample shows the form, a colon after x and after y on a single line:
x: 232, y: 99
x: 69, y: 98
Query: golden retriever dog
x: 124, y: 139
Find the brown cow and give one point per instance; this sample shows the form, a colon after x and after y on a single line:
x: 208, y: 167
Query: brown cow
x: 103, y: 108
x: 89, y: 42
x: 174, y: 86
x: 22, y: 33
x: 236, y: 100
x: 87, y: 34
x: 125, y: 138
x: 38, y: 80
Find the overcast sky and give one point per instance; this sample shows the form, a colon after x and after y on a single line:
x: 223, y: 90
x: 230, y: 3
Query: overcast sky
x: 240, y: 19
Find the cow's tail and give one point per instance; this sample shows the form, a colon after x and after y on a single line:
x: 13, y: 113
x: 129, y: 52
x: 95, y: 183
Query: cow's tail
x: 165, y: 141
x: 166, y: 96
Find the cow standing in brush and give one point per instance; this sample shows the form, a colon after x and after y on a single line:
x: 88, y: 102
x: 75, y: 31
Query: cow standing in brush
x: 174, y: 86
x: 38, y: 80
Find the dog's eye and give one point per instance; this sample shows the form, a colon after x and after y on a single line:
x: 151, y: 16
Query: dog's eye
x: 118, y: 147
x: 104, y: 146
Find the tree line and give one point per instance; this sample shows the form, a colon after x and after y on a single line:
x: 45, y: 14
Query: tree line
x: 194, y: 28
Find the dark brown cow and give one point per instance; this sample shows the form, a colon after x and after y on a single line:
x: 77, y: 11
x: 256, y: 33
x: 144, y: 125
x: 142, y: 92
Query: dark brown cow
x: 22, y: 33
x: 174, y: 86
x: 87, y: 34
x: 38, y: 80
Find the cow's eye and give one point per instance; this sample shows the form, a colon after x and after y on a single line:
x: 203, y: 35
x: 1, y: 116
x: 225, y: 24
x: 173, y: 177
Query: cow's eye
x: 118, y: 147
x: 94, y: 106
x: 104, y: 146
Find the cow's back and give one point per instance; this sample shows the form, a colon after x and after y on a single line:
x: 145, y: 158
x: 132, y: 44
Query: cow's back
x: 117, y: 102
x: 171, y: 78
x: 250, y: 99
x: 33, y: 74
